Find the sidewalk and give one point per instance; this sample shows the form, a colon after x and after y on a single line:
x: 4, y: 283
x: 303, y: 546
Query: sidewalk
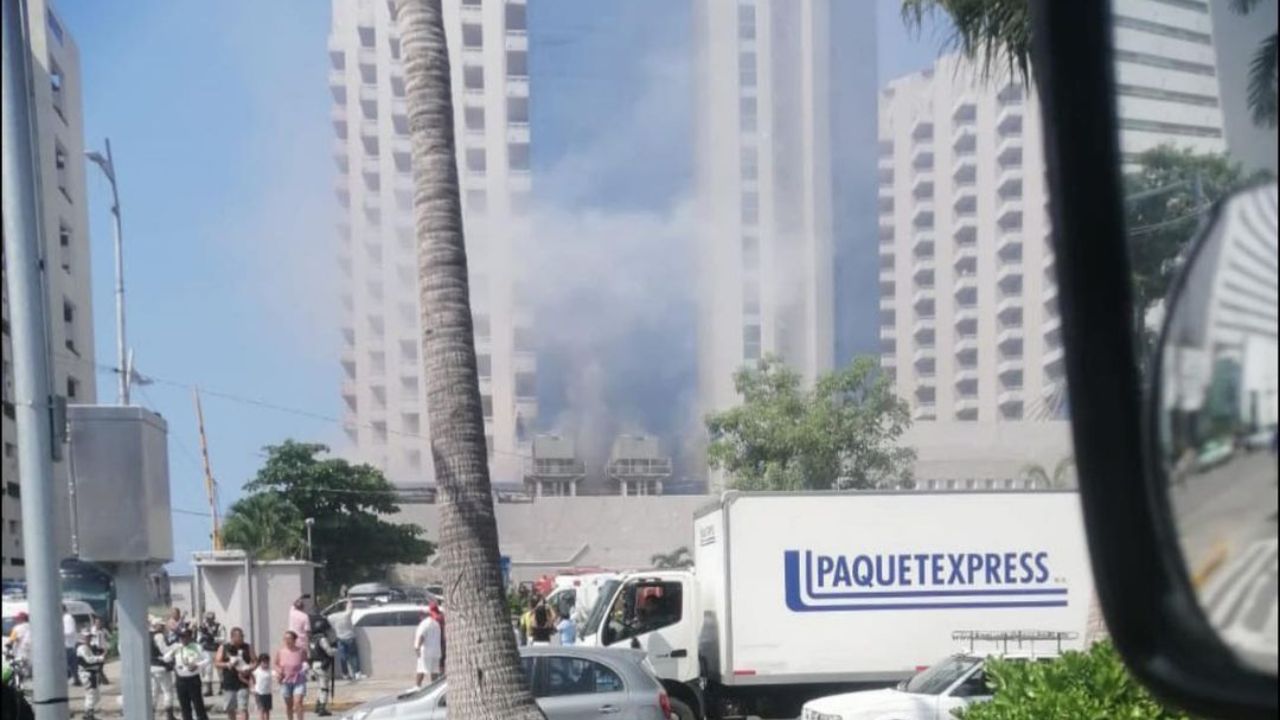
x: 346, y: 695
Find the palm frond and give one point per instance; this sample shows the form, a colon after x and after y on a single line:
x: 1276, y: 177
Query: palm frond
x: 1262, y: 83
x: 995, y: 34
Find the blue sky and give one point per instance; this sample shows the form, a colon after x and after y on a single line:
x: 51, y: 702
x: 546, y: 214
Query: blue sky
x: 218, y: 114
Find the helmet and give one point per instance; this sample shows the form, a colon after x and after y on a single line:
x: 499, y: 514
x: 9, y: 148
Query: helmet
x: 319, y: 625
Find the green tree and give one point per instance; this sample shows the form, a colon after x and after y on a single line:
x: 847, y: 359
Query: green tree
x: 1090, y: 684
x: 266, y: 525
x: 346, y: 501
x: 486, y: 679
x: 1063, y: 475
x: 678, y: 558
x: 840, y: 435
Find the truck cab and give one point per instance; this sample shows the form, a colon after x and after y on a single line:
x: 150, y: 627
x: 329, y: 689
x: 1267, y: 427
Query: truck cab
x: 656, y: 612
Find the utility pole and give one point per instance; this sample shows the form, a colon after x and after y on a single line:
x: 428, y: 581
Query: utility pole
x: 33, y: 399
x: 210, y: 486
x: 108, y: 165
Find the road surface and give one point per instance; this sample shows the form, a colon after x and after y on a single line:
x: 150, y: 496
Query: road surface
x: 1227, y: 523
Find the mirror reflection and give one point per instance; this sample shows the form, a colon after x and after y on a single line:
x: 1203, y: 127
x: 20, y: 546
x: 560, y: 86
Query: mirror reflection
x: 1217, y: 394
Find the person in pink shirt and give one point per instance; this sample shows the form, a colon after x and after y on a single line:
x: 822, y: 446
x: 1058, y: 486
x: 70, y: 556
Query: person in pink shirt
x: 291, y: 673
x: 299, y: 620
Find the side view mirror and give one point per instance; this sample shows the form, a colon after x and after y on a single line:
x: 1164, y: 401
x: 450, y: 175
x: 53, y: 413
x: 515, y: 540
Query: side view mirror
x: 1211, y: 425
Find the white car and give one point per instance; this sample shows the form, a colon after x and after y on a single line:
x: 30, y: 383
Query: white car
x: 931, y: 694
x: 388, y: 615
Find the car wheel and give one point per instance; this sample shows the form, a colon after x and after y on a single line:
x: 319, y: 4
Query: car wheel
x: 681, y: 711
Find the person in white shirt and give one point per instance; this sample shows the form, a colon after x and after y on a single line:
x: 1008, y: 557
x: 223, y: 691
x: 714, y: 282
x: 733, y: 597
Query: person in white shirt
x: 70, y: 638
x: 427, y: 644
x: 262, y: 686
x: 188, y: 666
x: 20, y: 637
x: 89, y: 661
x: 348, y: 652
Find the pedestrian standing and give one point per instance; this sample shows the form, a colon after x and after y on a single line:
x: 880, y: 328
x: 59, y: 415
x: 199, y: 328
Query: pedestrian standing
x: 262, y: 686
x: 344, y: 632
x: 433, y: 609
x: 162, y: 667
x: 526, y: 620
x: 175, y: 624
x: 542, y: 629
x: 101, y: 638
x: 89, y: 661
x: 299, y: 620
x: 210, y: 636
x: 320, y: 655
x: 188, y: 666
x: 234, y: 660
x: 20, y: 645
x: 70, y: 639
x: 426, y: 645
x: 291, y: 672
x: 566, y: 631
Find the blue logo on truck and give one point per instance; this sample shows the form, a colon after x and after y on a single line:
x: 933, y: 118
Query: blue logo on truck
x: 818, y: 582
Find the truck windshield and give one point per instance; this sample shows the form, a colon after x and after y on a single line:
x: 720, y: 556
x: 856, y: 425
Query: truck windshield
x: 607, y: 589
x: 936, y: 680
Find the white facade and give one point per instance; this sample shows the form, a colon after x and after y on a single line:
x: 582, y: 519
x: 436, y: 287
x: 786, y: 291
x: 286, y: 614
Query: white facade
x: 969, y: 326
x: 383, y: 388
x: 1166, y: 76
x: 764, y: 188
x: 64, y: 221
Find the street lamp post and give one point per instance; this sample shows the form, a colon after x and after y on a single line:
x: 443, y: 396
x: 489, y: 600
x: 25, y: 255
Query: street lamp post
x: 108, y: 166
x: 309, y: 523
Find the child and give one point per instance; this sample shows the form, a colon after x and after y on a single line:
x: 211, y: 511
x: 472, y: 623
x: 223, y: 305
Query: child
x: 262, y: 686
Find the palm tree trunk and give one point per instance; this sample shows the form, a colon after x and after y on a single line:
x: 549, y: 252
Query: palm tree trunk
x: 485, y: 677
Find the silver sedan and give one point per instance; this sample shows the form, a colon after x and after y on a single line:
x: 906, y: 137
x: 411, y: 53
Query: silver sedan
x: 570, y: 683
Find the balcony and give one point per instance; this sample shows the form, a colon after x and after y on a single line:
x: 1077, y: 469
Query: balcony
x: 922, y: 186
x: 1051, y: 325
x: 518, y: 87
x: 966, y: 408
x: 1009, y: 182
x: 965, y: 171
x: 888, y: 302
x: 923, y: 266
x: 964, y: 140
x: 964, y: 111
x: 965, y: 283
x: 965, y: 344
x: 925, y: 411
x: 888, y: 360
x: 1052, y: 359
x: 924, y: 356
x: 1008, y: 305
x: 885, y: 191
x: 518, y: 133
x: 922, y: 215
x: 1009, y: 277
x: 885, y: 162
x: 922, y: 157
x: 924, y: 325
x: 923, y: 298
x: 1008, y: 365
x: 922, y: 244
x: 1009, y: 397
x: 884, y: 205
x: 886, y: 274
x: 1009, y: 120
x: 1009, y: 247
x: 965, y: 230
x: 888, y: 332
x: 1050, y: 293
x: 1010, y: 335
x: 1009, y: 215
x: 965, y: 316
x: 1009, y: 152
x: 517, y: 40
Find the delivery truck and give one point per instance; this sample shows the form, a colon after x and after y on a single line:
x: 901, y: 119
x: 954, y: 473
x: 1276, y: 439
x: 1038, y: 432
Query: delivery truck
x: 798, y: 595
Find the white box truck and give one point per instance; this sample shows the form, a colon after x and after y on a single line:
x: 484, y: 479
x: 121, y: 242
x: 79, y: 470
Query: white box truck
x: 798, y: 595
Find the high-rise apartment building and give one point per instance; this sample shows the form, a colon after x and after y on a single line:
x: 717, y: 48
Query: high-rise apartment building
x: 55, y: 69
x: 969, y: 323
x: 383, y: 387
x: 764, y: 186
x: 968, y: 315
x: 1166, y: 76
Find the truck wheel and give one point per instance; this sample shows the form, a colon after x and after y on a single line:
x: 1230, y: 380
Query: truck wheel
x: 680, y: 711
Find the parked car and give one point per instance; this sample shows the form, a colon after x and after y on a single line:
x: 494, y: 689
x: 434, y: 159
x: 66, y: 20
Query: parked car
x: 388, y: 615
x: 931, y: 694
x: 568, y: 682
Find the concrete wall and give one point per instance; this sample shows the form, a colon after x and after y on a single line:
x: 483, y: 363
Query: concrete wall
x: 554, y: 533
x: 262, y: 609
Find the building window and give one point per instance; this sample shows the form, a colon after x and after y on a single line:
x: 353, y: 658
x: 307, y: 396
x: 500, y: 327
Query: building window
x: 746, y: 21
x: 518, y: 110
x: 523, y: 339
x: 368, y: 74
x: 751, y: 342
x: 73, y: 388
x: 751, y: 297
x: 750, y: 208
x: 409, y: 353
x: 517, y: 63
x: 412, y: 423
x: 12, y: 489
x: 474, y: 119
x: 403, y: 161
x: 62, y: 164
x: 750, y: 158
x: 747, y: 69
x: 750, y: 252
x: 486, y: 406
x: 747, y: 114
x: 476, y: 162
x: 472, y: 36
x: 477, y: 201
x: 10, y: 451
x: 473, y: 78
x: 56, y: 81
x: 397, y: 86
x: 526, y: 385
x: 484, y: 365
x: 480, y: 326
x: 55, y: 27
x: 517, y: 22
x: 518, y: 156
x: 64, y: 246
x: 395, y: 48
x: 368, y: 39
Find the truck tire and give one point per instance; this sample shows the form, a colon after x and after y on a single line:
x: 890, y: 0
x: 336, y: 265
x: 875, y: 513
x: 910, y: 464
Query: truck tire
x: 681, y: 711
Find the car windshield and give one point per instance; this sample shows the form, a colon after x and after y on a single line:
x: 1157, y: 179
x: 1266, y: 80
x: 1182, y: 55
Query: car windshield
x: 936, y: 679
x: 601, y: 607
